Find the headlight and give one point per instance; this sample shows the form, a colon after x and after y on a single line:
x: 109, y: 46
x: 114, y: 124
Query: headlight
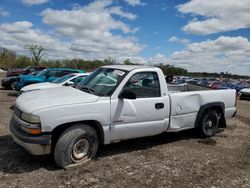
x: 30, y: 118
x: 33, y: 126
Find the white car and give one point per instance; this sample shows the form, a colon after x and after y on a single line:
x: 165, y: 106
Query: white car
x: 244, y: 94
x: 67, y: 80
x: 72, y: 123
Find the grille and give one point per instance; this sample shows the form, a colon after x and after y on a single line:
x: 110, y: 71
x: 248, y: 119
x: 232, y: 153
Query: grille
x: 18, y: 112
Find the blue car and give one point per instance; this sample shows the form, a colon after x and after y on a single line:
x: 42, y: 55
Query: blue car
x: 47, y: 75
x: 235, y: 86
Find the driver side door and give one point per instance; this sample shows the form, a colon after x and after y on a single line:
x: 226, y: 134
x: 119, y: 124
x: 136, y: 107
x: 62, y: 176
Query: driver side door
x: 146, y: 115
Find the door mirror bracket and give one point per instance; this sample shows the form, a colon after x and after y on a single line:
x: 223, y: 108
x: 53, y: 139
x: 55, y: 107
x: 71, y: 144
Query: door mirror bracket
x: 69, y: 83
x: 127, y: 94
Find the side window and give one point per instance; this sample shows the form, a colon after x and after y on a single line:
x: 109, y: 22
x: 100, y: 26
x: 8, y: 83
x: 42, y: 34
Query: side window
x: 144, y: 85
x: 78, y: 79
x: 62, y: 73
x: 51, y: 73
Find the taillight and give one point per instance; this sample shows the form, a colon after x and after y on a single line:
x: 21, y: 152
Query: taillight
x: 236, y: 98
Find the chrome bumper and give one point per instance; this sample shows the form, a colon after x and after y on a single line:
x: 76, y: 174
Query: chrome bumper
x: 34, y: 149
x: 34, y: 144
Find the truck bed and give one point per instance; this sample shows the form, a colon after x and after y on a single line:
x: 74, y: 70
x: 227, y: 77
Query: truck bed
x: 175, y: 88
x: 186, y: 103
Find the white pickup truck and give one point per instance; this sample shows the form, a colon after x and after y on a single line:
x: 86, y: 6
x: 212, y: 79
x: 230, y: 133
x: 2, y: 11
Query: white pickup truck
x: 114, y: 103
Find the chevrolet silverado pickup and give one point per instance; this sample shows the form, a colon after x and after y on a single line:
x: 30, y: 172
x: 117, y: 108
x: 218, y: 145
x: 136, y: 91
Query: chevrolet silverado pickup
x: 114, y: 103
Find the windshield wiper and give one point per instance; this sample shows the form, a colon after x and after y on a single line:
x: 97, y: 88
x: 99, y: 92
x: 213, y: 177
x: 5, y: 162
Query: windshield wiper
x: 91, y: 91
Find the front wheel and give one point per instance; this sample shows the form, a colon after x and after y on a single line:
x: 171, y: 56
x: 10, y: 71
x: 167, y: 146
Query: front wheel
x: 77, y: 145
x: 13, y: 85
x: 209, y: 123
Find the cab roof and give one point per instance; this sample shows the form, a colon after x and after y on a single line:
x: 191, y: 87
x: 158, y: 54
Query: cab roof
x: 127, y: 67
x: 78, y: 70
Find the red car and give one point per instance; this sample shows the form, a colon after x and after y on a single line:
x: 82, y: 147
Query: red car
x: 215, y: 84
x: 27, y: 70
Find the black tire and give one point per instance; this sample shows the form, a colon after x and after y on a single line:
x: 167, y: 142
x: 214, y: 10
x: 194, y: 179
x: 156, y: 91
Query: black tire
x: 209, y: 123
x: 77, y: 145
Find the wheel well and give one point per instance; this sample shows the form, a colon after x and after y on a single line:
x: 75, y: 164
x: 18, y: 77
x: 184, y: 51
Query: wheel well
x: 61, y: 128
x: 218, y: 107
x: 220, y: 111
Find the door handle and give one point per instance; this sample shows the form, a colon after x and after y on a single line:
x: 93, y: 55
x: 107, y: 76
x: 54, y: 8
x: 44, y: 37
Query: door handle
x: 159, y: 105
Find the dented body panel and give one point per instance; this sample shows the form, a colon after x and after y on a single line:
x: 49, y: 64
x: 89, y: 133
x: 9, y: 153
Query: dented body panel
x: 186, y: 105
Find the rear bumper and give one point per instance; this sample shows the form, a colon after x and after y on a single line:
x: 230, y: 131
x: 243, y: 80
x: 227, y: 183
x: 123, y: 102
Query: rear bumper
x: 234, y: 114
x: 230, y: 112
x: 36, y: 145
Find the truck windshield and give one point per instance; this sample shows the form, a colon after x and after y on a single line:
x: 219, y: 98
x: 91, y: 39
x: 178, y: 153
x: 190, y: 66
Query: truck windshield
x: 102, y: 82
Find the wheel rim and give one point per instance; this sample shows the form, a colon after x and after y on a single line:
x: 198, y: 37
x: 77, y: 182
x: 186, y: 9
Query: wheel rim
x: 210, y: 124
x: 13, y: 85
x: 80, y: 150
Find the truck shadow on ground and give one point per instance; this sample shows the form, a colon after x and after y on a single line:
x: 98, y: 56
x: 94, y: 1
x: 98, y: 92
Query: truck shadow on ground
x: 145, y: 143
x: 13, y: 94
x: 14, y: 159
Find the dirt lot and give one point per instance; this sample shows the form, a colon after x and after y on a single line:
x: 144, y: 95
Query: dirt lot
x: 168, y: 160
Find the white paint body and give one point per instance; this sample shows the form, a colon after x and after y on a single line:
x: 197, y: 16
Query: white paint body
x: 49, y: 85
x: 123, y: 119
x: 245, y: 90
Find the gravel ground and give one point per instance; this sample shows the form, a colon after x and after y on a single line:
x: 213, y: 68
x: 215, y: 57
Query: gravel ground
x: 168, y: 160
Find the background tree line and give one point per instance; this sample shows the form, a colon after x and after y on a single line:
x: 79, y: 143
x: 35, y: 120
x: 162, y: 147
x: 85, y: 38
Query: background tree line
x: 9, y: 59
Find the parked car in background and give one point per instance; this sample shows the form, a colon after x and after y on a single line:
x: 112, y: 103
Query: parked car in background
x: 215, y: 84
x: 236, y: 86
x: 179, y: 81
x: 67, y: 80
x: 244, y: 94
x: 25, y: 71
x: 47, y: 75
x: 10, y: 82
x: 193, y: 82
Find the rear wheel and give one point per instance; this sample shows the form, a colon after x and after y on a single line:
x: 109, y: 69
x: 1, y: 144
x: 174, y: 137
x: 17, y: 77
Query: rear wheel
x: 77, y: 145
x: 209, y: 123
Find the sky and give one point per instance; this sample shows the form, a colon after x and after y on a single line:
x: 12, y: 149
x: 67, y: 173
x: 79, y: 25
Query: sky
x: 198, y: 35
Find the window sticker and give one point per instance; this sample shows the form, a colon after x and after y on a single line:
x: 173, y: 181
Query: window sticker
x: 118, y: 72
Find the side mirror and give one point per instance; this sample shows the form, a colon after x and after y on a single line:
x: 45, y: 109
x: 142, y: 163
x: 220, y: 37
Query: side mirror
x: 69, y: 83
x: 169, y: 78
x: 127, y: 94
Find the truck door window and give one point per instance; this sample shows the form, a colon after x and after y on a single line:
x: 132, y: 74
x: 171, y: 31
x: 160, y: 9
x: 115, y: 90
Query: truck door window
x: 144, y: 85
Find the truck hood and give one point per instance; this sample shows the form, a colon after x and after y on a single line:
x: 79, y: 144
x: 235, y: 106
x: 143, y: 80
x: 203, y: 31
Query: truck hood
x: 47, y: 98
x: 45, y: 85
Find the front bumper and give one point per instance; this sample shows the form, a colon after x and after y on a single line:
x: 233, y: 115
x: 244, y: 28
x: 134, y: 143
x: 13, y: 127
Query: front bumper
x: 5, y: 83
x: 234, y: 114
x: 34, y: 144
x: 19, y: 85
